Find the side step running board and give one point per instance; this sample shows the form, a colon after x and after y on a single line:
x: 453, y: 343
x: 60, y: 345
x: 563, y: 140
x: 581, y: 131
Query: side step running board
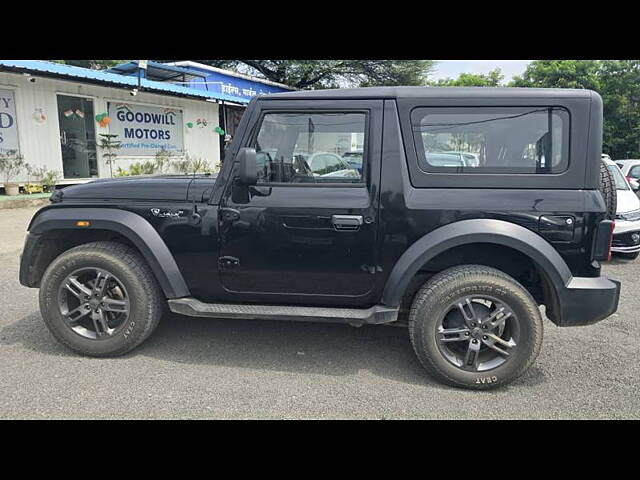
x: 353, y: 316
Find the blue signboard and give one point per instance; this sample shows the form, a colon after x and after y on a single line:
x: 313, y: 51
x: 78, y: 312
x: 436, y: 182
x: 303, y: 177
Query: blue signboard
x: 231, y: 85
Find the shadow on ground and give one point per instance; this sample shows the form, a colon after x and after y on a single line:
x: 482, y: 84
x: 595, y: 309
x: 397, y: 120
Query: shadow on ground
x: 302, y: 348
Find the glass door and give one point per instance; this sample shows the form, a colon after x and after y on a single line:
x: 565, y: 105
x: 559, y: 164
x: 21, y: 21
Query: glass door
x: 77, y: 137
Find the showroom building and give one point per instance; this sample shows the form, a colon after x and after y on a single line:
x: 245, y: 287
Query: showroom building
x: 53, y: 114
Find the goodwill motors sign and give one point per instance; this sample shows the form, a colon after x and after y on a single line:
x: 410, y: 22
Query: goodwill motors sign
x: 8, y: 125
x: 144, y: 130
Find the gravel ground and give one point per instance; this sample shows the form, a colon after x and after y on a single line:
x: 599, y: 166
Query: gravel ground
x: 201, y: 368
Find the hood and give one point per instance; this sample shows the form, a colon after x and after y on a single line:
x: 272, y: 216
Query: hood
x: 163, y: 188
x: 627, y: 201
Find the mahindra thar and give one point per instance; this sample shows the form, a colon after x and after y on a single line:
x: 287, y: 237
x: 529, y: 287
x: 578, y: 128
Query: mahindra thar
x: 455, y: 212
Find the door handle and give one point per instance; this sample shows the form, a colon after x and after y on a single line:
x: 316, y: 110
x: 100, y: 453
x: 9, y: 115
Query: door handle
x: 346, y: 222
x: 230, y: 214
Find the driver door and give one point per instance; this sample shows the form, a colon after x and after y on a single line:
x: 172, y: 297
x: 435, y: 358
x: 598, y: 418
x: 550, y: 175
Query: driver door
x: 307, y: 233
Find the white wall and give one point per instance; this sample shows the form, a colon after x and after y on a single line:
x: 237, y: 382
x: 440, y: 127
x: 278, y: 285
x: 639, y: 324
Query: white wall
x: 40, y: 142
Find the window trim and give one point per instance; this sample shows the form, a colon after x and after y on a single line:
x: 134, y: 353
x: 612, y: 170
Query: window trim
x: 365, y: 151
x: 426, y: 168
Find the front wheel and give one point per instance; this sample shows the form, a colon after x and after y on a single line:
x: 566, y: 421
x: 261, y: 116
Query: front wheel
x: 100, y: 299
x: 475, y: 327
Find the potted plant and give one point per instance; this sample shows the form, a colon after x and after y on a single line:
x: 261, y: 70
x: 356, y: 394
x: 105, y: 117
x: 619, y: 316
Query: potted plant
x: 11, y: 164
x: 50, y: 179
x: 33, y: 173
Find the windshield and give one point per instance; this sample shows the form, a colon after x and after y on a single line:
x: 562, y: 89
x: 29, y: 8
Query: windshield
x: 621, y: 183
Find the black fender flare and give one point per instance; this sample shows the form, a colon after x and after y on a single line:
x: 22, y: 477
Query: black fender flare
x: 478, y: 230
x: 128, y: 224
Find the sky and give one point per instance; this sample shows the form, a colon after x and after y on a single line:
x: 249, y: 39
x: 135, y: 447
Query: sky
x: 453, y: 68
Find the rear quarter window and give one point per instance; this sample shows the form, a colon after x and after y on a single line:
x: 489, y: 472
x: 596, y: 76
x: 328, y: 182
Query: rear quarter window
x: 491, y: 140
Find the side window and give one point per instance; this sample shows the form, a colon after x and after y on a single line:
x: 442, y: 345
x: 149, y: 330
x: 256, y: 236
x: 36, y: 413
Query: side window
x: 492, y: 139
x: 635, y: 172
x: 311, y: 147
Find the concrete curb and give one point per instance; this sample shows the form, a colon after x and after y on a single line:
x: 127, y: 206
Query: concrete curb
x: 24, y: 203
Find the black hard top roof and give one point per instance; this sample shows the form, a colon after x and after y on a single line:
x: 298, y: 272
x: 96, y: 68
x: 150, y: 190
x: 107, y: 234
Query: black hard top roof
x: 432, y: 92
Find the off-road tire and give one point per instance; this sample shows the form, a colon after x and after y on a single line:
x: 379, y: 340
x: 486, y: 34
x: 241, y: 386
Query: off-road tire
x: 146, y: 299
x: 608, y: 190
x: 432, y: 300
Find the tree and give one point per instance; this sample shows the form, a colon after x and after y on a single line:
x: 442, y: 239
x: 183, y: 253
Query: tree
x: 492, y: 79
x: 110, y: 145
x: 560, y: 74
x: 620, y: 90
x: 93, y: 64
x: 617, y: 81
x: 309, y: 74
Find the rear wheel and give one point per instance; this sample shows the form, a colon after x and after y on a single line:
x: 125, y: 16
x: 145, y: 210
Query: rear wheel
x: 475, y: 327
x: 100, y: 299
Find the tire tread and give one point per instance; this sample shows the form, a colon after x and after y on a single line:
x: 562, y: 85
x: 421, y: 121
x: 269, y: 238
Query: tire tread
x: 155, y: 302
x: 456, y: 276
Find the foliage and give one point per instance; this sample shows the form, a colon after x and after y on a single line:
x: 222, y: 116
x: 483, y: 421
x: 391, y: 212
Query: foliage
x: 560, y: 74
x: 199, y: 165
x: 121, y: 173
x: 50, y: 177
x: 163, y: 160
x: 33, y: 188
x: 190, y: 165
x: 309, y: 74
x: 182, y: 166
x: 93, y: 64
x: 145, y: 168
x: 620, y: 90
x: 39, y: 173
x: 35, y: 173
x: 148, y: 167
x: 110, y: 146
x: 11, y: 164
x: 617, y: 81
x: 492, y: 79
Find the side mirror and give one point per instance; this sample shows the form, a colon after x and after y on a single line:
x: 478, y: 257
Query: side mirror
x: 247, y: 170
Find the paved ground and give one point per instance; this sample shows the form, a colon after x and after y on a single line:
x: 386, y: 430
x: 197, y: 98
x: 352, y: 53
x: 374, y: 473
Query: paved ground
x: 199, y: 368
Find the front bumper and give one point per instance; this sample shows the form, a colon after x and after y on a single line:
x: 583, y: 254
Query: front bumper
x: 585, y: 300
x: 626, y: 236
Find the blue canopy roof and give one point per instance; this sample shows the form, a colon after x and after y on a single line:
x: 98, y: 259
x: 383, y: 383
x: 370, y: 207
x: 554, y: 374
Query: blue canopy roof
x: 70, y: 72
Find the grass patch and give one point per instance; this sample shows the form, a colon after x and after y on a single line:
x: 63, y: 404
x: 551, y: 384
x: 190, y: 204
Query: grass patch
x: 23, y: 196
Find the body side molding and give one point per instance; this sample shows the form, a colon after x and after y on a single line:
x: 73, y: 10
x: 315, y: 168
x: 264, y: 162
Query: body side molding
x: 130, y: 225
x: 474, y: 231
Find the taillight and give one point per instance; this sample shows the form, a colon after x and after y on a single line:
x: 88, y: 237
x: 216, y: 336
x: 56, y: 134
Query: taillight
x: 603, y: 240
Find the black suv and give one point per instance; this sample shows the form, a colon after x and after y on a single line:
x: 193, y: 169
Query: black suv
x: 464, y: 254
